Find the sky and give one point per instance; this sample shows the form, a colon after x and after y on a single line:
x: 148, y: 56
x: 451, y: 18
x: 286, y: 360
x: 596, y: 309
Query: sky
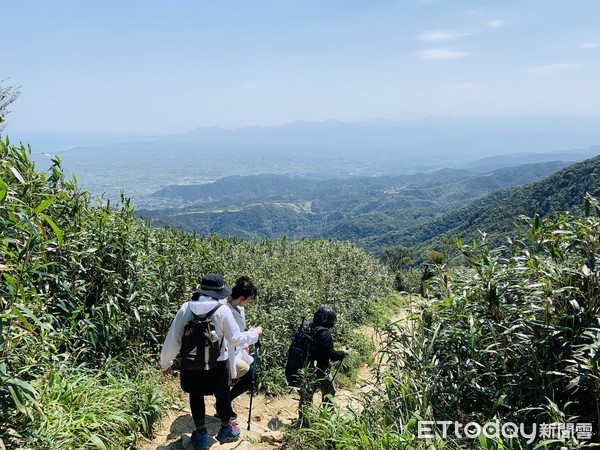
x: 157, y: 67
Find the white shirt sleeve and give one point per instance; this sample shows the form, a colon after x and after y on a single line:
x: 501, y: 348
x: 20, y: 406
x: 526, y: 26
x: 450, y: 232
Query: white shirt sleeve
x: 172, y: 343
x: 237, y: 353
x: 231, y: 330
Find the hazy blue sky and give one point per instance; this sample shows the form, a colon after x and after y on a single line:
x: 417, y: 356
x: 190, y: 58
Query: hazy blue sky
x: 158, y: 66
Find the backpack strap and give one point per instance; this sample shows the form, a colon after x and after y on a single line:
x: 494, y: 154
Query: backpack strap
x: 318, y: 328
x: 208, y: 314
x: 212, y: 311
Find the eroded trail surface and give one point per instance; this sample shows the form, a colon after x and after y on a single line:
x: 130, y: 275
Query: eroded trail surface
x: 268, y: 416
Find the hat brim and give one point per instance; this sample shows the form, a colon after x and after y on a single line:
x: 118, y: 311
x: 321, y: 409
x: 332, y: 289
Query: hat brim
x: 220, y: 294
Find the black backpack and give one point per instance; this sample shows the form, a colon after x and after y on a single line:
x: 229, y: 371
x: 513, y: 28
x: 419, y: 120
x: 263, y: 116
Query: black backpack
x: 200, y: 346
x: 300, y: 353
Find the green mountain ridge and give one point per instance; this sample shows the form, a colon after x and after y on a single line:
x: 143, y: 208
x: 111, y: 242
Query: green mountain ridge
x: 361, y: 209
x: 497, y: 213
x: 278, y: 187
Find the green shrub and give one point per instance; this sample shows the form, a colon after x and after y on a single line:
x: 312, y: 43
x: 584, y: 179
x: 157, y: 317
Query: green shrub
x: 87, y: 408
x: 514, y: 337
x: 86, y: 284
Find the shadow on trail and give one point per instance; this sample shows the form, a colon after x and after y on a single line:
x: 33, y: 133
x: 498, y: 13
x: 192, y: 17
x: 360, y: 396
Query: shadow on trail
x: 181, y: 423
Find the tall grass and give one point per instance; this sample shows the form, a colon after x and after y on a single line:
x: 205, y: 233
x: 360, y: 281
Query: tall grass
x: 85, y: 283
x: 85, y: 408
x: 514, y: 336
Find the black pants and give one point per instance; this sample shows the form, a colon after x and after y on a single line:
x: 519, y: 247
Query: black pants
x: 241, y: 386
x: 211, y: 382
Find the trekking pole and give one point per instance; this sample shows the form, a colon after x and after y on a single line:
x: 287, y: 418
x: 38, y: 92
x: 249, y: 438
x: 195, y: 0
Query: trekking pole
x: 252, y: 385
x: 337, y: 369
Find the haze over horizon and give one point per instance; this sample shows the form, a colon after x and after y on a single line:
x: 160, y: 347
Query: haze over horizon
x: 139, y: 69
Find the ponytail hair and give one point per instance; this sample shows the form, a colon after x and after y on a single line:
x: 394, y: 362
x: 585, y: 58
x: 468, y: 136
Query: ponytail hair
x: 244, y: 288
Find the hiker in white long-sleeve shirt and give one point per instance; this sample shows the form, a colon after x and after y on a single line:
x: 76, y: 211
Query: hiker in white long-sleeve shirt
x: 240, y: 360
x: 215, y: 381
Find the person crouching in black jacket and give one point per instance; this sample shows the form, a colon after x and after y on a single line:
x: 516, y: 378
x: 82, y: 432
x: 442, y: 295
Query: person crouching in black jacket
x: 322, y: 352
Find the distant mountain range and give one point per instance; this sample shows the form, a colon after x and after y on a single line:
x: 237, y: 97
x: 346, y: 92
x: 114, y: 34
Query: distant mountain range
x: 371, y: 211
x: 326, y: 150
x: 378, y: 183
x: 460, y: 138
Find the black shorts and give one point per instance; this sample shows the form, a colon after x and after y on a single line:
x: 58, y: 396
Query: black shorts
x: 206, y: 382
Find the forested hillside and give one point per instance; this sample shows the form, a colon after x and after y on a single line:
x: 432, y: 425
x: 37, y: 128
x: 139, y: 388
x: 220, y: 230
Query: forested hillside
x: 359, y: 209
x: 497, y: 213
x: 88, y: 292
x: 231, y: 190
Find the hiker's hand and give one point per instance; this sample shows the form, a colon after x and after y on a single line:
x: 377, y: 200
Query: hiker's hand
x: 346, y: 351
x: 166, y: 373
x: 258, y: 330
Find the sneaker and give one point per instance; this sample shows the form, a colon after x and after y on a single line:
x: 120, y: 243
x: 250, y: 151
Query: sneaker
x: 200, y: 439
x: 229, y: 434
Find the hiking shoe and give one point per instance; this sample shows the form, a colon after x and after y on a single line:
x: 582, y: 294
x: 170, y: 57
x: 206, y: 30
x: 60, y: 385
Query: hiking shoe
x: 200, y: 439
x: 228, y: 434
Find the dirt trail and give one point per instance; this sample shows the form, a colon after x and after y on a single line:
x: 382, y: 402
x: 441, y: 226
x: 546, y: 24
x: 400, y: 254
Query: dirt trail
x: 268, y: 416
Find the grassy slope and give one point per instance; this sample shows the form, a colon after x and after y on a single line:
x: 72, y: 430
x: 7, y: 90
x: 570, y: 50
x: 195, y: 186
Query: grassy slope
x: 89, y: 291
x: 511, y: 337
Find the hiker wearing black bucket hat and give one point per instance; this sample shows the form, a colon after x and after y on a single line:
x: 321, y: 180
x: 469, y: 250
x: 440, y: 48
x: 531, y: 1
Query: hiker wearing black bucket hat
x: 214, y: 380
x: 213, y: 286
